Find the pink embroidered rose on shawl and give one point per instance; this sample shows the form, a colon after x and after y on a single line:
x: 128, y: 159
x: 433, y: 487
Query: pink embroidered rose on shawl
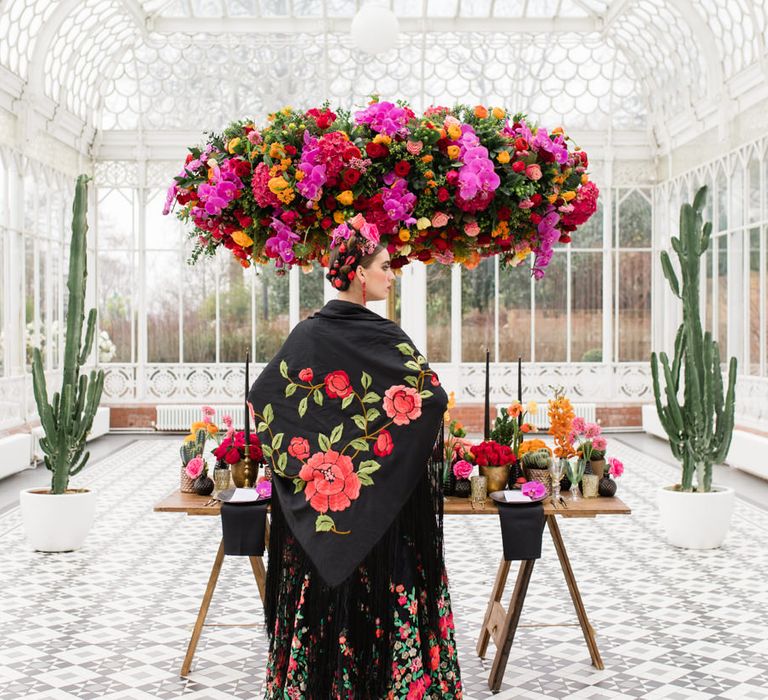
x: 402, y: 404
x: 332, y: 483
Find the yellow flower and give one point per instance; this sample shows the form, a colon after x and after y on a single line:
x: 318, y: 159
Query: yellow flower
x: 286, y: 196
x: 275, y: 151
x: 423, y: 223
x: 338, y: 217
x: 453, y: 152
x: 242, y: 239
x: 299, y: 175
x: 382, y: 138
x: 532, y: 408
x: 451, y: 401
x: 568, y: 196
x: 498, y: 112
x: 232, y: 145
x: 520, y: 257
x: 346, y: 197
x: 404, y: 235
x: 454, y: 131
x: 553, y: 198
x: 503, y: 157
x: 285, y: 162
x: 584, y: 179
x: 286, y: 110
x: 278, y: 184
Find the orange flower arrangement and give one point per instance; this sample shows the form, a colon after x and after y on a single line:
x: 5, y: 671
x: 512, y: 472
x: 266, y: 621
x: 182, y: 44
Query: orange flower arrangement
x: 532, y: 446
x: 561, y: 417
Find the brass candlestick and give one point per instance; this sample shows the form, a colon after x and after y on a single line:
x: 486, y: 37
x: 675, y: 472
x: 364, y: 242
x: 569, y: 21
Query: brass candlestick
x: 245, y: 473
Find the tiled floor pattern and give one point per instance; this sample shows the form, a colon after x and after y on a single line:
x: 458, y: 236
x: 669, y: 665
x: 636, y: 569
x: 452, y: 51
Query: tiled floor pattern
x: 112, y: 620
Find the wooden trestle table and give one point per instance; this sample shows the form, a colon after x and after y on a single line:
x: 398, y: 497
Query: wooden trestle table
x: 500, y: 624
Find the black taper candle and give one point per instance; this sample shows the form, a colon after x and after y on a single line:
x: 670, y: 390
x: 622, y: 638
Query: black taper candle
x: 247, y: 389
x: 520, y: 388
x: 487, y: 394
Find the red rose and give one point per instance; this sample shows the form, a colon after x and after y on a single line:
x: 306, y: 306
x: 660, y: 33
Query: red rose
x: 350, y: 177
x: 518, y: 166
x: 337, y: 385
x: 536, y: 199
x: 383, y: 445
x: 326, y: 223
x: 402, y: 168
x: 290, y: 150
x: 402, y: 404
x: 255, y: 450
x: 306, y: 375
x: 521, y: 144
x: 376, y: 150
x: 299, y: 448
x: 232, y: 456
x: 452, y: 176
x: 434, y: 380
x: 535, y: 218
x: 503, y: 214
x: 332, y: 483
x: 443, y: 195
x: 565, y: 238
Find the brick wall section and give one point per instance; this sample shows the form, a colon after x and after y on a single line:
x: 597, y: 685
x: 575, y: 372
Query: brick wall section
x: 132, y: 416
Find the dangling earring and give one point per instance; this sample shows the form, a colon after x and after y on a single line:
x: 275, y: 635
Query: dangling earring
x: 363, y: 281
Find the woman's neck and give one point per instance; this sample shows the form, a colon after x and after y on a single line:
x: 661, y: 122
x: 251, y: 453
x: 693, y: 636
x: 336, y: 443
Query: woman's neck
x: 352, y: 296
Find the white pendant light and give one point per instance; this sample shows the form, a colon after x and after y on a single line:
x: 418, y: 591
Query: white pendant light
x: 374, y: 28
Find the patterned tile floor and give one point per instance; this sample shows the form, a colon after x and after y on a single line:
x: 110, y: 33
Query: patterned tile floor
x: 112, y: 620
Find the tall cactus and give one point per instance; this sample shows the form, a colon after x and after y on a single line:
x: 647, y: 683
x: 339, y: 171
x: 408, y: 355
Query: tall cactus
x: 700, y: 428
x: 67, y: 420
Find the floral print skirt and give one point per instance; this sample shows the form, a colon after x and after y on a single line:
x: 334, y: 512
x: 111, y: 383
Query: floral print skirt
x: 288, y: 669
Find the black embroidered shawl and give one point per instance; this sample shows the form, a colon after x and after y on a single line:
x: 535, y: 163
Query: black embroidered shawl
x: 347, y: 412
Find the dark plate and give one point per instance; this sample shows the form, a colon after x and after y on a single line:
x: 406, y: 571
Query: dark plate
x: 499, y: 497
x: 225, y: 495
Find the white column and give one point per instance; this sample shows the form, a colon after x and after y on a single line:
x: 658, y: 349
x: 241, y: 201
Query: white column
x: 141, y: 283
x: 293, y: 296
x: 413, y: 306
x: 15, y: 334
x: 609, y: 257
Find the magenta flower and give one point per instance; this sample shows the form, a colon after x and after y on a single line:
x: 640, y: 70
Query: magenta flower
x: 195, y: 467
x: 616, y: 467
x: 264, y: 488
x: 280, y: 246
x: 578, y: 425
x: 341, y: 233
x: 592, y: 430
x: 398, y: 201
x: 462, y: 469
x: 385, y: 118
x: 533, y: 489
x: 599, y: 443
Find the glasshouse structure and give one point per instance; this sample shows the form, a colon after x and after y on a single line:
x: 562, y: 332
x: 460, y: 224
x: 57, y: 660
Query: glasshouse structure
x: 535, y: 290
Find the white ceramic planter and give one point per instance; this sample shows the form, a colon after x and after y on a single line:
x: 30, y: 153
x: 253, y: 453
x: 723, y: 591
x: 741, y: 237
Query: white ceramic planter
x: 696, y: 520
x: 57, y: 523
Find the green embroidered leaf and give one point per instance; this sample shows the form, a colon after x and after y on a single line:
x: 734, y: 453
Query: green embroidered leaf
x: 303, y: 406
x: 366, y: 380
x: 368, y: 467
x: 421, y: 360
x: 277, y: 440
x: 269, y: 415
x: 365, y: 480
x: 284, y: 369
x: 267, y: 450
x: 262, y: 427
x: 298, y: 485
x: 290, y: 390
x: 359, y: 421
x: 426, y: 394
x: 373, y: 414
x: 324, y: 442
x: 405, y: 348
x: 318, y: 397
x: 360, y: 444
x: 336, y: 433
x: 371, y: 397
x: 413, y: 365
x: 347, y: 400
x: 413, y: 381
x: 282, y: 461
x: 324, y: 523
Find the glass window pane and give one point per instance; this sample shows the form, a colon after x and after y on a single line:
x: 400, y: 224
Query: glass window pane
x: 199, y: 304
x: 635, y: 221
x: 721, y: 197
x: 515, y: 313
x: 586, y: 307
x: 235, y: 283
x: 164, y: 232
x: 31, y: 332
x: 3, y: 288
x: 311, y: 287
x: 477, y: 290
x: 722, y: 296
x: 634, y: 304
x: 753, y: 201
x: 116, y: 303
x: 438, y: 313
x: 116, y: 218
x: 754, y: 301
x: 272, y: 321
x: 163, y: 273
x: 551, y: 311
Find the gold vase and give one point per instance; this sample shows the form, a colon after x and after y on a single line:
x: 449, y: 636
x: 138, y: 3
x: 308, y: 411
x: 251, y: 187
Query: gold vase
x: 244, y: 473
x: 496, y: 477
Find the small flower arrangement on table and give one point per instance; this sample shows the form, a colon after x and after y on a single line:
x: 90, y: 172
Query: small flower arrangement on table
x: 462, y: 470
x: 194, y: 468
x: 591, y: 445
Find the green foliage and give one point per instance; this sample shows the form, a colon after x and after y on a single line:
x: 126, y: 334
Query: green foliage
x: 700, y: 426
x: 67, y: 420
x: 503, y: 428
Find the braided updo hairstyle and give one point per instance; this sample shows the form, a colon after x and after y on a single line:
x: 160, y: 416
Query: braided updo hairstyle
x: 344, y: 259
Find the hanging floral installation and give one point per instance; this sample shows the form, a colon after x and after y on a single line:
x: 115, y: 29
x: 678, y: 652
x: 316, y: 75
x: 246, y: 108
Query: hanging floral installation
x: 451, y: 186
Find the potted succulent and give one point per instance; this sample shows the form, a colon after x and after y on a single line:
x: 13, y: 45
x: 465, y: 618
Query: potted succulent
x: 57, y: 519
x: 696, y: 415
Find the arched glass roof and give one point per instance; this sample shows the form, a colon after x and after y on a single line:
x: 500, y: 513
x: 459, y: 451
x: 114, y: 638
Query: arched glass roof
x: 193, y: 64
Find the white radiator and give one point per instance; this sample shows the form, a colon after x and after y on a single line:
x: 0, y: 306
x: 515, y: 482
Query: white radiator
x: 180, y: 417
x: 15, y: 453
x: 587, y: 411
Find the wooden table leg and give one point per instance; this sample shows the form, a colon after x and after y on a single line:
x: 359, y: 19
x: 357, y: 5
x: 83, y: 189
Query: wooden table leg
x: 212, y: 579
x: 494, y: 604
x: 260, y: 573
x: 570, y: 579
x: 507, y: 633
